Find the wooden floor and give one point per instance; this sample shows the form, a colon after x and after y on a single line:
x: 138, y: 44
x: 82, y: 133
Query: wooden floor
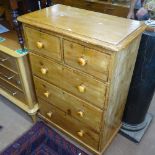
x: 15, y: 122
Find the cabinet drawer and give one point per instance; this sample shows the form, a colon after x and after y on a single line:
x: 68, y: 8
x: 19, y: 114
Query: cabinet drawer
x: 10, y: 77
x: 12, y: 91
x: 81, y: 85
x: 43, y: 43
x: 87, y: 60
x: 8, y: 61
x: 68, y: 103
x: 71, y: 125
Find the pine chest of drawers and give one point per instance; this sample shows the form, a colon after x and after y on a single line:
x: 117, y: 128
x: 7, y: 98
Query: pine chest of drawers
x: 82, y: 63
x: 15, y: 76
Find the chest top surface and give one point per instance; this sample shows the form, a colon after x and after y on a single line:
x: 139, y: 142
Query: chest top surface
x: 10, y: 44
x: 101, y: 29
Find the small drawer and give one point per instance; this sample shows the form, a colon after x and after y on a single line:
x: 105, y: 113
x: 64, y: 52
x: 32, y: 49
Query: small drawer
x: 69, y: 124
x: 68, y: 103
x: 12, y: 91
x: 10, y: 77
x: 88, y: 60
x: 73, y: 81
x: 43, y: 43
x: 8, y: 61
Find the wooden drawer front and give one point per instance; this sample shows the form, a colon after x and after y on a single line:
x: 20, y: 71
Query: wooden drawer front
x: 85, y: 87
x: 12, y: 90
x: 8, y: 61
x: 87, y: 60
x: 43, y: 43
x: 68, y: 123
x: 10, y: 76
x: 68, y: 103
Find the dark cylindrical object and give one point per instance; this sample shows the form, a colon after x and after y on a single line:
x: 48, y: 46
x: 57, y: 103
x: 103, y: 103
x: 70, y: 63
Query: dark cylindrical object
x: 143, y: 82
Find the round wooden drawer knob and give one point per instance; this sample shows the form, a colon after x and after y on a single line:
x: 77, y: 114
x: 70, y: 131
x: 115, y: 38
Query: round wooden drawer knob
x: 82, y: 88
x: 40, y: 45
x: 82, y: 61
x: 46, y: 94
x: 80, y: 113
x: 44, y: 70
x: 49, y: 114
x: 80, y: 133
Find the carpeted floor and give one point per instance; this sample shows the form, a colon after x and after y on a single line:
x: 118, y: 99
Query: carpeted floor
x: 15, y: 122
x: 42, y: 140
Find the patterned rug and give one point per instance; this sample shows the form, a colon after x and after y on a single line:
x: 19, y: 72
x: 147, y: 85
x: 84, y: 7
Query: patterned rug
x: 42, y: 140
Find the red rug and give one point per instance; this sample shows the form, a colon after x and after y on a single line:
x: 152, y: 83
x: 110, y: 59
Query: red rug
x: 42, y: 140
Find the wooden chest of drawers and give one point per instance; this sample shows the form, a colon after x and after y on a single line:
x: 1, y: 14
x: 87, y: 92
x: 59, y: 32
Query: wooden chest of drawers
x: 82, y: 63
x: 15, y: 77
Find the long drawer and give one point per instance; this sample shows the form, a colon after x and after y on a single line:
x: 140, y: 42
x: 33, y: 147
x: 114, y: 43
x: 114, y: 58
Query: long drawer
x: 68, y: 123
x: 70, y: 104
x: 8, y: 61
x: 43, y: 43
x: 10, y: 77
x: 88, y: 60
x: 12, y: 91
x: 81, y: 85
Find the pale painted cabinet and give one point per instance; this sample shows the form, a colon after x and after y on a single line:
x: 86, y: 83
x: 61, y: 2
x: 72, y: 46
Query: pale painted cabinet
x: 15, y: 76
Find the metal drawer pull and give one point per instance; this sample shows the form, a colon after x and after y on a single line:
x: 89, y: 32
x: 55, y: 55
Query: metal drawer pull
x: 13, y: 93
x: 82, y: 88
x: 46, y: 94
x: 4, y: 59
x: 82, y: 61
x: 80, y: 113
x: 80, y: 133
x: 40, y: 45
x: 18, y: 82
x: 44, y: 70
x: 8, y: 78
x: 49, y: 114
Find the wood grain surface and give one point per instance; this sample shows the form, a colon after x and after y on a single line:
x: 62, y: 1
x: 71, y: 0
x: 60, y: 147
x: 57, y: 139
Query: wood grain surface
x: 67, y: 122
x: 8, y: 61
x: 104, y: 30
x: 44, y: 43
x: 84, y: 93
x: 86, y: 59
x: 70, y: 104
x: 70, y: 80
x: 11, y: 77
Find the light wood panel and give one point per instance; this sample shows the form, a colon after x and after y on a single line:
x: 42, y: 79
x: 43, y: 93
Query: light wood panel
x: 10, y: 76
x: 43, y: 43
x: 123, y: 69
x: 70, y: 104
x: 75, y: 127
x: 8, y: 61
x: 84, y: 59
x: 95, y: 28
x: 13, y: 91
x: 77, y: 83
x: 16, y: 80
x: 98, y: 88
x: 10, y: 45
